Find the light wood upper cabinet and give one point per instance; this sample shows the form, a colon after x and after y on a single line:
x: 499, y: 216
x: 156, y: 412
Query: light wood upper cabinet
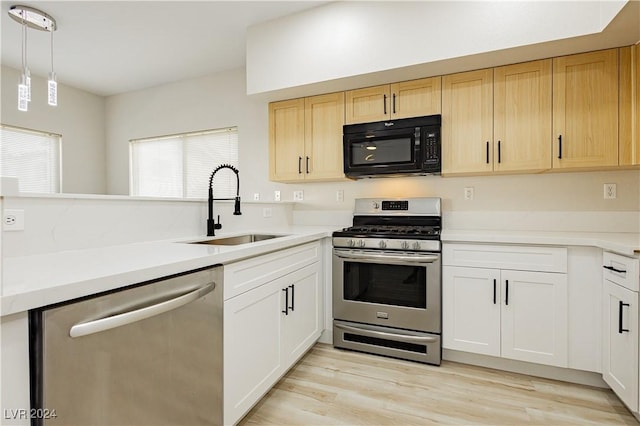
x: 305, y: 138
x: 467, y: 122
x: 636, y: 103
x: 416, y: 98
x: 286, y: 139
x: 585, y: 110
x: 398, y: 100
x: 497, y: 120
x: 368, y: 104
x: 522, y: 117
x: 629, y: 120
x: 324, y: 118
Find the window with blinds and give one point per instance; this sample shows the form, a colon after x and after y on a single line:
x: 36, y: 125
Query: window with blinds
x: 31, y: 156
x: 180, y: 165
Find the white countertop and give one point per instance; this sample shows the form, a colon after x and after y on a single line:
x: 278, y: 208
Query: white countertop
x: 34, y: 281
x: 40, y: 280
x: 623, y: 243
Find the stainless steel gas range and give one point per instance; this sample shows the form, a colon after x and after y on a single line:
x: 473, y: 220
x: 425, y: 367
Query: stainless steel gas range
x: 387, y: 279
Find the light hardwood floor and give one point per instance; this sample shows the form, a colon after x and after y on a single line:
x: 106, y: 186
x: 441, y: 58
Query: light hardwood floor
x: 330, y: 386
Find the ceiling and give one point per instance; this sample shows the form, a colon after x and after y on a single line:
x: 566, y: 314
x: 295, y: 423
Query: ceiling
x: 111, y: 47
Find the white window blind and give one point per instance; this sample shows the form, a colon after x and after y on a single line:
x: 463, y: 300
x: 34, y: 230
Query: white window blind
x: 31, y: 156
x: 180, y: 165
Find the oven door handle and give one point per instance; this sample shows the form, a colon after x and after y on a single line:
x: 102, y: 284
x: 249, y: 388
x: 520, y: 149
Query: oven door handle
x: 382, y: 334
x: 387, y: 258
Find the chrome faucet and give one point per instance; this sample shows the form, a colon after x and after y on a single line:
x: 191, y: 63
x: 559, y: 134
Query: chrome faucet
x: 211, y: 224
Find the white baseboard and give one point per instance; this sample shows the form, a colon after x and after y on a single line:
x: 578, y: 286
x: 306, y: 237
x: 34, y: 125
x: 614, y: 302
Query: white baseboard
x: 548, y: 372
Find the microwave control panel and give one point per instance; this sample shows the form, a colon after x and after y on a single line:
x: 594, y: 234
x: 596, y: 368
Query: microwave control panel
x: 431, y: 146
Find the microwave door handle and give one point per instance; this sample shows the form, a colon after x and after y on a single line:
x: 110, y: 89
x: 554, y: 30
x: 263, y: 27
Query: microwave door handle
x: 387, y: 258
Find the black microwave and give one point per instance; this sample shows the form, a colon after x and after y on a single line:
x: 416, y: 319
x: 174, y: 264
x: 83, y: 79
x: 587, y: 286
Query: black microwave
x: 408, y: 146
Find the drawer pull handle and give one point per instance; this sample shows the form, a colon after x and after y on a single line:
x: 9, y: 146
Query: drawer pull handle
x: 611, y: 268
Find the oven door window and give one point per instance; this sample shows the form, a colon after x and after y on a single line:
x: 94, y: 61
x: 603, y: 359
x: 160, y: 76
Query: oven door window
x: 391, y: 150
x: 397, y: 285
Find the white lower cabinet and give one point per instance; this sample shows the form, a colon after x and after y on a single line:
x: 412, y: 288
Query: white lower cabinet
x: 507, y: 313
x: 534, y: 317
x: 266, y: 330
x: 620, y: 328
x: 471, y: 313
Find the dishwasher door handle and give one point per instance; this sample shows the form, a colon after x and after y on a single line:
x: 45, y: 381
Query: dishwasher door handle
x: 119, y: 320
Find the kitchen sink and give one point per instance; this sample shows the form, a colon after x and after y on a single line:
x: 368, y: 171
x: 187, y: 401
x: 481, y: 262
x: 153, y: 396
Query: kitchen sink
x: 238, y: 239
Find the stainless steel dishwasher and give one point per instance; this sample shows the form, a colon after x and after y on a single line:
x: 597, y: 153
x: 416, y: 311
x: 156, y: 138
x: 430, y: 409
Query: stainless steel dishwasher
x: 149, y: 354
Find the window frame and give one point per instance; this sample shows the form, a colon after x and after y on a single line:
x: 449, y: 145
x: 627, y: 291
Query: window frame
x: 58, y: 146
x: 184, y: 158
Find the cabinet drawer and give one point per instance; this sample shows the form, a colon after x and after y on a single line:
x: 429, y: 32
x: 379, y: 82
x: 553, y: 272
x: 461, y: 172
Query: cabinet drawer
x: 521, y: 258
x: 245, y: 275
x: 621, y: 270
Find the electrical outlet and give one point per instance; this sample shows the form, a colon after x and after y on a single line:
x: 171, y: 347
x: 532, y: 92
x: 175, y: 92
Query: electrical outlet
x: 276, y: 195
x: 298, y: 195
x: 468, y: 193
x: 13, y: 220
x: 340, y: 195
x: 256, y: 196
x: 266, y: 212
x: 609, y: 191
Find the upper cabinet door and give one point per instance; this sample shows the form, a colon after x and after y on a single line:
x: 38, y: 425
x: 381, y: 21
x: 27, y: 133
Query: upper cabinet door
x: 416, y: 98
x: 324, y: 118
x: 286, y: 140
x: 467, y: 122
x: 629, y: 127
x: 585, y: 110
x: 522, y: 117
x: 636, y: 100
x: 368, y: 104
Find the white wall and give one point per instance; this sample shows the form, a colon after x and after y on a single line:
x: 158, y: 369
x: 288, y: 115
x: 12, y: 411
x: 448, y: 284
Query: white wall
x: 220, y: 100
x: 75, y: 222
x: 210, y: 102
x: 79, y: 118
x: 344, y: 39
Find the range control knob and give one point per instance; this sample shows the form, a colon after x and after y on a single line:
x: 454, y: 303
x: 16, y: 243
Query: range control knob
x: 361, y: 243
x: 416, y: 245
x: 352, y: 243
x: 404, y: 245
x: 382, y: 244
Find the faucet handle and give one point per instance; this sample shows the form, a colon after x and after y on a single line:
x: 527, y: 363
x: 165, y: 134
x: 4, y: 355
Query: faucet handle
x: 217, y: 225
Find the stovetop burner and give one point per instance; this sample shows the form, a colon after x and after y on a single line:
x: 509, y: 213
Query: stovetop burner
x: 391, y: 231
x: 409, y: 225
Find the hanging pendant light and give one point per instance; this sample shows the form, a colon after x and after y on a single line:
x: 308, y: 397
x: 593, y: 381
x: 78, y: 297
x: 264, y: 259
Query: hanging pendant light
x: 52, y: 84
x: 30, y: 17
